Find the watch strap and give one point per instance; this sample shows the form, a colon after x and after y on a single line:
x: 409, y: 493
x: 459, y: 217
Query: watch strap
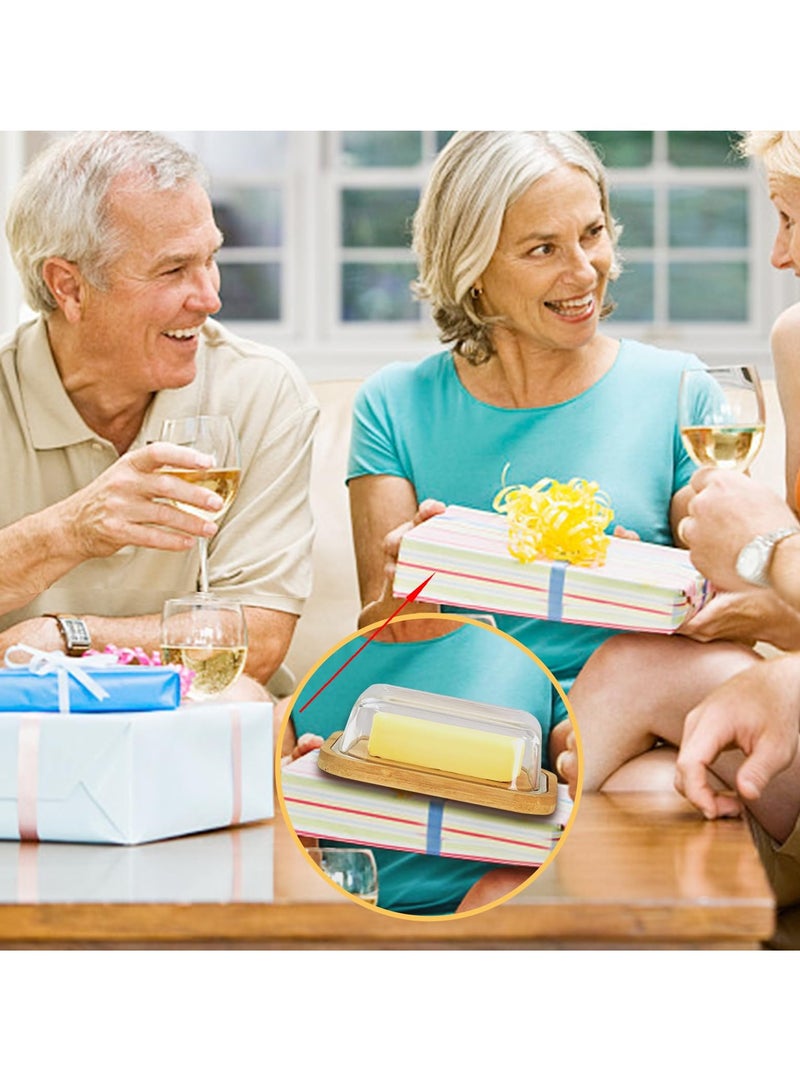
x: 74, y: 632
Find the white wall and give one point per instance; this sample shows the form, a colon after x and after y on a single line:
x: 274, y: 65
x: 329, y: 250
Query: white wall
x: 11, y: 159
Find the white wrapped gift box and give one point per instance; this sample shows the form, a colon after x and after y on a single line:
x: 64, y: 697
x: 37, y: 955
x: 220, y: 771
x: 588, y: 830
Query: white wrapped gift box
x: 130, y: 778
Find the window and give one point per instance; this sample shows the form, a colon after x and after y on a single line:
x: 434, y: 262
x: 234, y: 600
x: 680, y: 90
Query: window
x: 687, y: 202
x: 250, y: 195
x: 317, y: 229
x: 375, y: 180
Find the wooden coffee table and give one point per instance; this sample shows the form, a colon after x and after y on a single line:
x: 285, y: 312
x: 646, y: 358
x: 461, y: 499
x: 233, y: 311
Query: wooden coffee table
x: 638, y: 870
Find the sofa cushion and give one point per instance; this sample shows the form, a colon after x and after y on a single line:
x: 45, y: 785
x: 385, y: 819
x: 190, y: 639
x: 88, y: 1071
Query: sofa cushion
x: 331, y: 613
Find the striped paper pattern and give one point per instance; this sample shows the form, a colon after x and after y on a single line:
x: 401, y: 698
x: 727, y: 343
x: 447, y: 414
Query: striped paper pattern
x: 322, y: 805
x: 641, y: 587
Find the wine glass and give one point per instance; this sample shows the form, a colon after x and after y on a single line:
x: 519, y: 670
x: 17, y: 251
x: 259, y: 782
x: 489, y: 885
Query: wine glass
x: 721, y: 415
x: 353, y: 869
x: 214, y: 436
x: 208, y: 636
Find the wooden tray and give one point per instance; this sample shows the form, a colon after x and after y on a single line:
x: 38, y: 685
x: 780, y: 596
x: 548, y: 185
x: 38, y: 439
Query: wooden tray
x: 359, y: 765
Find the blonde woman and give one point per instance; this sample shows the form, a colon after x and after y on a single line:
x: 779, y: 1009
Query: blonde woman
x: 742, y: 534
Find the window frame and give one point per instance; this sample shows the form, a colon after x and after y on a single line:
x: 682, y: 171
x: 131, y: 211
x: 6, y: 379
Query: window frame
x: 311, y: 330
x: 767, y: 289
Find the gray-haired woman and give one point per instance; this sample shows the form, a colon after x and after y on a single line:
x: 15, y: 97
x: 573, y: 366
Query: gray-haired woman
x: 516, y: 248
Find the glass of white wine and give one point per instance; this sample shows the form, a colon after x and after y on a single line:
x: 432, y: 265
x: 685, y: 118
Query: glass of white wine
x: 721, y: 415
x: 213, y: 436
x: 207, y: 635
x: 353, y: 869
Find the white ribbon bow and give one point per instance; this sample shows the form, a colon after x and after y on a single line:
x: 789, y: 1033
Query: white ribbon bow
x: 64, y: 668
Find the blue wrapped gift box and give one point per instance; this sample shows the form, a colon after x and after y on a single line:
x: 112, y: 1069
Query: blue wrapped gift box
x: 128, y: 689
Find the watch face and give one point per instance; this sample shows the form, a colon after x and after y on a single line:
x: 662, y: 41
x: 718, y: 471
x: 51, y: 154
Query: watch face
x: 76, y: 634
x: 750, y: 564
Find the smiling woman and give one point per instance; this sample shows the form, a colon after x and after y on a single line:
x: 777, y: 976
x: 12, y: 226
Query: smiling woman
x: 544, y: 288
x: 516, y: 248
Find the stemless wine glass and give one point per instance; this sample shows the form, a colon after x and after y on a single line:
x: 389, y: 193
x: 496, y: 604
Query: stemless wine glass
x: 721, y: 415
x: 213, y: 436
x: 207, y: 635
x: 353, y: 869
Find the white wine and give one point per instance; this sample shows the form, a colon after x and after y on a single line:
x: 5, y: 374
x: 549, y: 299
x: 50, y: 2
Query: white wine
x: 214, y: 668
x: 223, y: 480
x: 726, y: 446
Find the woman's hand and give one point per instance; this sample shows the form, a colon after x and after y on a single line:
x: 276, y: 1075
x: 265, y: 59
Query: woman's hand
x: 564, y: 755
x: 631, y: 535
x: 746, y: 617
x: 386, y: 604
x: 304, y: 745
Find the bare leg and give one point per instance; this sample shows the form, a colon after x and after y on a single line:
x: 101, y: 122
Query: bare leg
x: 650, y: 772
x: 495, y: 884
x: 635, y: 689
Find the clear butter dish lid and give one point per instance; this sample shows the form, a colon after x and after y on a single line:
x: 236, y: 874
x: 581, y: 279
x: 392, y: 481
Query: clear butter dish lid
x: 447, y: 737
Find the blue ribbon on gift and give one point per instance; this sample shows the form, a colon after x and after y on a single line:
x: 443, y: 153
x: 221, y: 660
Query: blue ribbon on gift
x: 433, y: 846
x: 555, y: 593
x: 63, y: 667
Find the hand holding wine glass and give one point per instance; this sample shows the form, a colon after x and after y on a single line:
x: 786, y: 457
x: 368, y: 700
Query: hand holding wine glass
x: 208, y: 636
x: 721, y: 415
x: 213, y: 436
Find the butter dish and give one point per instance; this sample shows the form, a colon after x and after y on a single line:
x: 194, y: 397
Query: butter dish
x: 443, y: 746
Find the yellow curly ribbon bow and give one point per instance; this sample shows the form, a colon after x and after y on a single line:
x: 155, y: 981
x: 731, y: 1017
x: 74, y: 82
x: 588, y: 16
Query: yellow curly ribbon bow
x: 556, y: 522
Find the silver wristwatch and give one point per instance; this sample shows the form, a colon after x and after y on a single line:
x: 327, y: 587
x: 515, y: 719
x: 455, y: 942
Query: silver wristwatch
x: 754, y: 559
x: 74, y: 632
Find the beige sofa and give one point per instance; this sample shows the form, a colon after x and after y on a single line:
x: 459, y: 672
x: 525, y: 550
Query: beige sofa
x: 332, y: 611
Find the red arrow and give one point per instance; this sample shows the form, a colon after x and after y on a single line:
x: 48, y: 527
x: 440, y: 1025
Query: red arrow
x: 410, y: 597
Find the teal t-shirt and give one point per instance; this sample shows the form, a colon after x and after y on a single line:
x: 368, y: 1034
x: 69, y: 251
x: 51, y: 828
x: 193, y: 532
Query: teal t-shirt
x: 417, y: 421
x: 473, y: 663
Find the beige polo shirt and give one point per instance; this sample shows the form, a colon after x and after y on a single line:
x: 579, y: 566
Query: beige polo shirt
x: 261, y: 553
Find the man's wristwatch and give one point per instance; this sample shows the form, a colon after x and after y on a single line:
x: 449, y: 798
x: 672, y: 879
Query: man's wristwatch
x: 754, y: 559
x: 74, y: 632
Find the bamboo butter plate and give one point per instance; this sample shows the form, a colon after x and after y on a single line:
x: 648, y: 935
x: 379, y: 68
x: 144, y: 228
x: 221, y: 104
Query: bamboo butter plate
x: 357, y: 764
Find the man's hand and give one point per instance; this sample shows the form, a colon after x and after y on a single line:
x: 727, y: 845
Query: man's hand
x: 757, y: 712
x: 726, y: 512
x: 125, y: 505
x: 131, y: 504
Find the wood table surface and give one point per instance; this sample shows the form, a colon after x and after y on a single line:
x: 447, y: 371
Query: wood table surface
x: 637, y: 870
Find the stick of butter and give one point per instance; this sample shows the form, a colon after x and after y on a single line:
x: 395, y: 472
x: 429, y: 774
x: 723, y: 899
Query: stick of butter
x: 445, y: 747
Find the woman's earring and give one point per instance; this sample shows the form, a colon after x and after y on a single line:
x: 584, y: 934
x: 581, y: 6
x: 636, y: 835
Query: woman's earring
x: 475, y: 293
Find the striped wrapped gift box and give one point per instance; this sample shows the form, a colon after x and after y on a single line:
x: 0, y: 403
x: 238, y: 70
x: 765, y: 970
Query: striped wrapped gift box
x: 321, y: 805
x: 641, y: 586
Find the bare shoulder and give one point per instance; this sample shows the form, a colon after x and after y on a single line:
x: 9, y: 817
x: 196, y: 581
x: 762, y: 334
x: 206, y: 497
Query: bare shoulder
x: 785, y: 338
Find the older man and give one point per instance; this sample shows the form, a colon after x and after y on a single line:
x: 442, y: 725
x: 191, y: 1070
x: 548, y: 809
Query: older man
x: 115, y: 241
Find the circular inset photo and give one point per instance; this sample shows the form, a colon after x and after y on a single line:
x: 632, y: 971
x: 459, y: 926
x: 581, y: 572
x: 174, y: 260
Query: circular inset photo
x: 419, y: 767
